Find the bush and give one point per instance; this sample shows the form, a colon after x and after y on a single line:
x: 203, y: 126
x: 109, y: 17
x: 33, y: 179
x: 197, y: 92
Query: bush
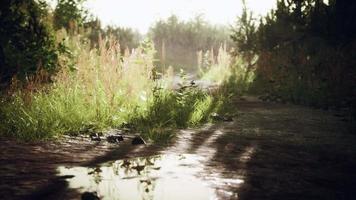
x: 304, y: 52
x: 104, y: 89
x: 27, y: 42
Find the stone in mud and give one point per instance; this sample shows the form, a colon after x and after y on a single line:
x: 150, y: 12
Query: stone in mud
x: 137, y: 140
x: 217, y: 117
x: 90, y: 196
x: 126, y: 125
x: 114, y: 138
x: 95, y: 137
x: 72, y: 134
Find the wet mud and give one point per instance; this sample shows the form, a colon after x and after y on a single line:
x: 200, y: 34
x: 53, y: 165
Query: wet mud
x: 269, y: 151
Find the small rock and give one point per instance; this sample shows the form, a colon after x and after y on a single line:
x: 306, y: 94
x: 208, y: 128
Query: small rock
x: 95, y: 137
x: 90, y: 196
x: 217, y: 117
x: 114, y: 138
x: 138, y: 140
x: 72, y: 134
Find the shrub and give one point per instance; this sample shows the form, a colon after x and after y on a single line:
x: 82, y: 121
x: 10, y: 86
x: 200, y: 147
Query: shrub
x: 104, y: 89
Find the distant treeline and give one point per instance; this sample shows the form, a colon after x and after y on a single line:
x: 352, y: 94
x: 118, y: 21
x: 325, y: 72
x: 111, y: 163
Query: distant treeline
x: 178, y: 41
x: 29, y: 42
x: 303, y: 51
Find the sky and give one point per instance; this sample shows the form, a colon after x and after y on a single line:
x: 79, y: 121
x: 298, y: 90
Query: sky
x: 141, y: 14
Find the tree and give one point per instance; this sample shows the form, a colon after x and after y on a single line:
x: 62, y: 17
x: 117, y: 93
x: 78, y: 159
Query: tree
x: 305, y: 51
x: 244, y: 32
x: 127, y: 37
x: 69, y: 14
x: 178, y: 42
x: 244, y: 37
x: 26, y: 39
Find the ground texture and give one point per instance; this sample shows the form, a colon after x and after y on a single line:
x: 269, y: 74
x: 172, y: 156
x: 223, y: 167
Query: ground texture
x: 276, y: 151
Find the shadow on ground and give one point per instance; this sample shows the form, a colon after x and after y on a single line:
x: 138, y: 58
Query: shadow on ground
x: 270, y: 151
x: 288, y: 152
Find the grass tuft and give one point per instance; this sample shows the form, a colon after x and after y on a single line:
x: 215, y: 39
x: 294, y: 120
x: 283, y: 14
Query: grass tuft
x: 103, y: 89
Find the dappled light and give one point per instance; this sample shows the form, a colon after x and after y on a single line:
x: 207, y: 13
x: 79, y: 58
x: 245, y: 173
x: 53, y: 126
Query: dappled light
x: 184, y: 99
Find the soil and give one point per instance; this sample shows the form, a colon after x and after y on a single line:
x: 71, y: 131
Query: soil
x: 269, y: 151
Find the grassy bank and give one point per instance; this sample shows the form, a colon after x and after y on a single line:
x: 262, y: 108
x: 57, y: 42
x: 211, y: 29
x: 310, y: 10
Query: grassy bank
x: 99, y: 89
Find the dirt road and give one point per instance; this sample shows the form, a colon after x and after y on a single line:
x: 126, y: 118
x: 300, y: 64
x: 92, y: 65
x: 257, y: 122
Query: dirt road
x: 269, y: 151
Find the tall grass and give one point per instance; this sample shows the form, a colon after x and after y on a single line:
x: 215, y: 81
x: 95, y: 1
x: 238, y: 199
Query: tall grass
x: 215, y: 68
x: 229, y: 72
x: 100, y: 89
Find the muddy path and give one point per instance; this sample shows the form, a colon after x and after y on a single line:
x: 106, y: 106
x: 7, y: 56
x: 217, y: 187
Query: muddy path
x: 270, y: 151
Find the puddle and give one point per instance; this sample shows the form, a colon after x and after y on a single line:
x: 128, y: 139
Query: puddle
x: 156, y: 177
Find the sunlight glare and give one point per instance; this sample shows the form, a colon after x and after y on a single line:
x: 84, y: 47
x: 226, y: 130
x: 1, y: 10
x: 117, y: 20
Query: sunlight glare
x: 141, y: 15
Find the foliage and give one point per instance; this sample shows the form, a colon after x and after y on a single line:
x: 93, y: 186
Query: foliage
x: 27, y: 43
x: 304, y: 51
x: 100, y: 91
x: 99, y: 85
x: 104, y: 89
x: 69, y: 14
x: 178, y: 41
x: 215, y: 69
x: 93, y: 31
x: 226, y: 70
x: 243, y: 34
x: 128, y: 38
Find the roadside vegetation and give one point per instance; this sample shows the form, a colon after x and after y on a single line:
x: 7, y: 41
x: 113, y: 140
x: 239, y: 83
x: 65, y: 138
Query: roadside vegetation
x: 62, y: 73
x: 104, y: 89
x: 94, y: 83
x: 87, y: 81
x: 302, y: 52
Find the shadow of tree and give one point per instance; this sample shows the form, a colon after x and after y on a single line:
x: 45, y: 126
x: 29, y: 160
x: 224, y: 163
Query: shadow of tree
x: 298, y: 154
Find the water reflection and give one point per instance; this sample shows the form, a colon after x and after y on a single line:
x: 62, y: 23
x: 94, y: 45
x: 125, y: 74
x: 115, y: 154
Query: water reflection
x: 156, y: 177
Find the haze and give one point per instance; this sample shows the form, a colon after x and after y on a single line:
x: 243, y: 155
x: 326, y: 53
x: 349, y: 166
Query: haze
x: 140, y: 14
